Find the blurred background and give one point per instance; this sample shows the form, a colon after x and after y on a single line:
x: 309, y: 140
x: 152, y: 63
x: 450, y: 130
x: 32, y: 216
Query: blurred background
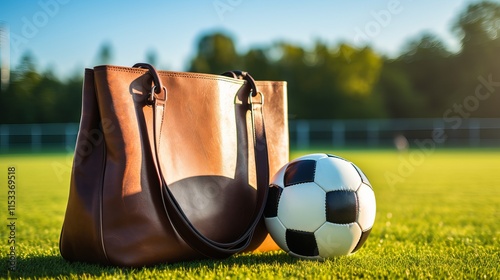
x: 386, y: 73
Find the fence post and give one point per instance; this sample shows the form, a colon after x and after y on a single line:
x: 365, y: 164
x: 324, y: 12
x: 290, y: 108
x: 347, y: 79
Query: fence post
x: 373, y: 133
x: 69, y: 136
x: 4, y: 138
x: 36, y: 133
x: 474, y: 133
x: 438, y: 125
x: 302, y: 134
x: 338, y: 131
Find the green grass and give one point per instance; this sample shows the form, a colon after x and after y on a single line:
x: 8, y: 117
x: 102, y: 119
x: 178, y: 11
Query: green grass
x: 438, y: 216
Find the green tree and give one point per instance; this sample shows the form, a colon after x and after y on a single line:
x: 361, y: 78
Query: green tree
x: 356, y: 73
x: 428, y: 66
x: 257, y: 63
x: 70, y: 103
x: 397, y: 94
x: 329, y: 82
x: 479, y: 29
x: 152, y: 57
x: 21, y: 104
x: 478, y: 25
x: 216, y: 54
x: 39, y: 98
x: 356, y: 70
x: 105, y: 54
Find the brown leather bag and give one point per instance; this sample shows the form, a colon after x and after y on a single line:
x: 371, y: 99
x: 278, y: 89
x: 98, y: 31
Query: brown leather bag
x: 172, y: 166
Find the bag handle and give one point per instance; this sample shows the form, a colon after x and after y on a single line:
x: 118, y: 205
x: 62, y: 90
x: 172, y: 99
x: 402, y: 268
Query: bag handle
x: 179, y: 220
x: 158, y: 91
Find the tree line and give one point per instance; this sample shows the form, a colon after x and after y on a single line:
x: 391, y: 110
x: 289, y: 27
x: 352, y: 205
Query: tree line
x: 426, y: 80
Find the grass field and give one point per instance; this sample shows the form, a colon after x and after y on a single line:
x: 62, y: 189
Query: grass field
x: 438, y: 216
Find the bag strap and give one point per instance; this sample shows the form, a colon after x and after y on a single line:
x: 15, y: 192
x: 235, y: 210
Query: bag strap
x: 179, y: 220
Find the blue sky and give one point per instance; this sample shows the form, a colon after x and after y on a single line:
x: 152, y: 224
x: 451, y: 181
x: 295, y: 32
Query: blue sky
x: 67, y: 34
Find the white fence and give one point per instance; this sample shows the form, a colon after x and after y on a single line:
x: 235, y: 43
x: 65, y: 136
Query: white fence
x: 38, y: 137
x: 382, y: 133
x: 303, y: 133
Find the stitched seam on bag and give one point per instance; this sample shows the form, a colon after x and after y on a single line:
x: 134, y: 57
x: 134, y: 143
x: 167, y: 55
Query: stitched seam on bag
x: 101, y: 205
x: 168, y: 74
x: 180, y: 74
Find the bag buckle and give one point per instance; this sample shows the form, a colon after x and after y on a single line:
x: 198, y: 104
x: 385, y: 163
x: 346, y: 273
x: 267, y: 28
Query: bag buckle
x: 152, y: 95
x: 251, y: 98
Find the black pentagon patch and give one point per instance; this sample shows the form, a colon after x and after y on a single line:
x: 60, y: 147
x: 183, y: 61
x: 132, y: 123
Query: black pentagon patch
x: 273, y: 198
x: 362, y: 239
x: 341, y: 207
x: 301, y: 171
x: 301, y: 243
x: 362, y: 175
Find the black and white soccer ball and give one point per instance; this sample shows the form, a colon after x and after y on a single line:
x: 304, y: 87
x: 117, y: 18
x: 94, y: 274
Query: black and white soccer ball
x: 320, y: 206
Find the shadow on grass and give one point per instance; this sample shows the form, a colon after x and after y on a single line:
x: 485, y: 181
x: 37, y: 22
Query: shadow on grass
x: 57, y: 267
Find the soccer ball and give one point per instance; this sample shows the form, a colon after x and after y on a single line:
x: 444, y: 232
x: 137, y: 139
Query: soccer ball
x: 320, y: 206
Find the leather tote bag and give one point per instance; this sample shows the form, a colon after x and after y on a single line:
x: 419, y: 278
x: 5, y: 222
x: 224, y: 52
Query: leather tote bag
x: 172, y: 166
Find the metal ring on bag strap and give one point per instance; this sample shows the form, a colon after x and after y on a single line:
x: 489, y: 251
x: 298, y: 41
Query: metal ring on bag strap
x: 151, y: 96
x: 158, y: 91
